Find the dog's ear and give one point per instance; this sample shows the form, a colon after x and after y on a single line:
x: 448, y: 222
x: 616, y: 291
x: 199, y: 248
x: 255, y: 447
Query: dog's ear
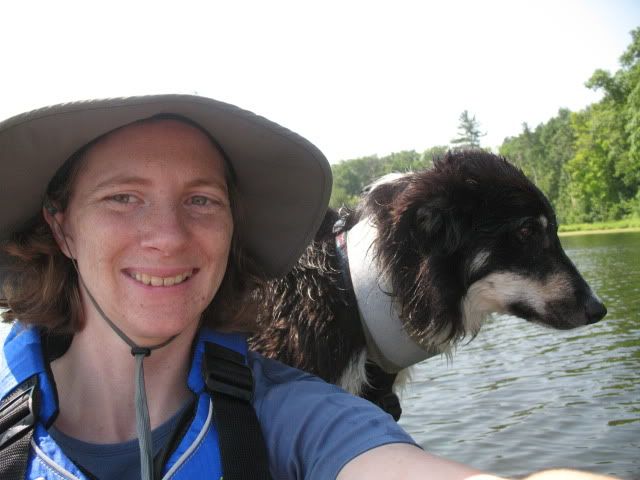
x: 443, y: 226
x: 435, y: 209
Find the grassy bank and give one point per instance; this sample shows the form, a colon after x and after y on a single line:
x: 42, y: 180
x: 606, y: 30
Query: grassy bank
x: 600, y: 227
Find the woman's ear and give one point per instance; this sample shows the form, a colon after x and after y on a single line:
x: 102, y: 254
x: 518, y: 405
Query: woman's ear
x: 55, y: 218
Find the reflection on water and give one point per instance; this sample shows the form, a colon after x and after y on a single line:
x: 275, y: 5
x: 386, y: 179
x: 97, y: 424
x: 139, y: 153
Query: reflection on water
x: 520, y: 397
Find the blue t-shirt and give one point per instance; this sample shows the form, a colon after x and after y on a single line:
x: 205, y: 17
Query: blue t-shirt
x: 113, y: 460
x: 311, y: 428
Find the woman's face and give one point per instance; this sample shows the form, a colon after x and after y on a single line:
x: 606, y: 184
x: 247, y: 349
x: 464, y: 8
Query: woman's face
x: 149, y: 222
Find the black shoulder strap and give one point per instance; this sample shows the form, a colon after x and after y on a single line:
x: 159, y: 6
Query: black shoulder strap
x: 242, y: 446
x: 17, y: 421
x: 379, y: 390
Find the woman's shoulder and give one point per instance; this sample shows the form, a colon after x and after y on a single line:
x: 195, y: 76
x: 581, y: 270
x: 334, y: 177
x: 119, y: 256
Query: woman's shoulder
x: 286, y: 398
x: 277, y: 385
x: 274, y: 379
x: 274, y: 373
x: 314, y: 428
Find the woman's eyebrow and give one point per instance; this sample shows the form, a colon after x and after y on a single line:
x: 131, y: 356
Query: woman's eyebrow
x: 122, y: 180
x: 207, y: 182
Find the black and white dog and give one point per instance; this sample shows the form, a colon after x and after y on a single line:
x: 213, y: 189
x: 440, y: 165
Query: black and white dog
x: 416, y: 267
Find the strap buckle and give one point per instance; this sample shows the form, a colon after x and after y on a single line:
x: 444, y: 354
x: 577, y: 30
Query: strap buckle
x: 17, y: 412
x: 225, y: 372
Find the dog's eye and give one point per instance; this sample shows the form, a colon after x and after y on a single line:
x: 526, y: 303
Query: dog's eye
x: 524, y: 232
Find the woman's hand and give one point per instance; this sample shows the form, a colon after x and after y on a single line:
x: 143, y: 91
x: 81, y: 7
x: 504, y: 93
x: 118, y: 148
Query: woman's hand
x: 407, y: 462
x: 565, y: 474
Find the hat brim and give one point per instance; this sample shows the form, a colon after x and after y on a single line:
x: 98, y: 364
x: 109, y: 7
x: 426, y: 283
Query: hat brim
x: 283, y: 180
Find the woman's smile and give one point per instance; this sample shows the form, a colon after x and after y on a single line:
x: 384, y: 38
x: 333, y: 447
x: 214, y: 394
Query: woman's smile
x: 160, y: 281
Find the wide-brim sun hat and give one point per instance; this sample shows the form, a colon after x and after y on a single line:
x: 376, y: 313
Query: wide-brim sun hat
x: 283, y: 180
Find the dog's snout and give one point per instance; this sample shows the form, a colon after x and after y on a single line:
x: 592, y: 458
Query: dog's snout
x: 595, y: 310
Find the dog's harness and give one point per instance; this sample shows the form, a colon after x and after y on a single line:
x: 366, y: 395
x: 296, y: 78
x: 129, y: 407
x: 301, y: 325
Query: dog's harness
x: 389, y: 347
x: 379, y: 386
x: 379, y: 390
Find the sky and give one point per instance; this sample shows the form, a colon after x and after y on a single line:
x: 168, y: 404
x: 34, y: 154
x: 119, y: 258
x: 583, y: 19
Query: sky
x: 356, y: 78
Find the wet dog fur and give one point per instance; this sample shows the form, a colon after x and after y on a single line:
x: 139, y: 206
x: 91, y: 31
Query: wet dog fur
x: 466, y: 238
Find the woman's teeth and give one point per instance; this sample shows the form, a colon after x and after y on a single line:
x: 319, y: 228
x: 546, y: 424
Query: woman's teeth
x: 161, y: 281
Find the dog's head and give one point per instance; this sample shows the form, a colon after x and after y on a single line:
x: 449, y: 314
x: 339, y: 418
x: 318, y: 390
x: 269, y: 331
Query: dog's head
x: 472, y: 236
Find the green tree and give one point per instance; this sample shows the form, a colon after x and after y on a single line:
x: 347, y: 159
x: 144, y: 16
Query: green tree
x: 558, y: 138
x: 340, y: 198
x: 351, y: 176
x: 431, y: 153
x: 588, y: 162
x: 525, y: 151
x: 594, y: 189
x: 468, y: 131
x: 605, y: 173
x: 542, y: 153
x: 405, y: 161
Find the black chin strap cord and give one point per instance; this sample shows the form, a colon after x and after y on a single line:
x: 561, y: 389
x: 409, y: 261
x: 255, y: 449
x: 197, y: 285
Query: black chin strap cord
x: 143, y: 424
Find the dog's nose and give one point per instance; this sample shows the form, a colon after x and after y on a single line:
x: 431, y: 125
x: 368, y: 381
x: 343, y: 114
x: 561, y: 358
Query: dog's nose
x: 595, y: 310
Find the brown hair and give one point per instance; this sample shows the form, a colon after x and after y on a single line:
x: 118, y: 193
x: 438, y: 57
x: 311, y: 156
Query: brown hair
x: 41, y: 284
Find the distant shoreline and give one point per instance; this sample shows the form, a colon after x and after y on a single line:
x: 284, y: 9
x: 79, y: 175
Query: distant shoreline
x: 597, y: 231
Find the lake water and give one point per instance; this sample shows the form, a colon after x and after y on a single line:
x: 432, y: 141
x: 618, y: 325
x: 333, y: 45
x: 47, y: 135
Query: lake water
x: 520, y: 397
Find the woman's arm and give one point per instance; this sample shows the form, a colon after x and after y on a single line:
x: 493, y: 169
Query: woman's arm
x: 406, y: 462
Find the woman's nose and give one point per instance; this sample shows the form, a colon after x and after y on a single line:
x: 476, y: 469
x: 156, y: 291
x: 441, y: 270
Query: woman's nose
x: 164, y: 229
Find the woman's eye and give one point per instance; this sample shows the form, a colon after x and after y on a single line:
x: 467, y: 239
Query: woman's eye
x: 121, y: 198
x: 200, y: 201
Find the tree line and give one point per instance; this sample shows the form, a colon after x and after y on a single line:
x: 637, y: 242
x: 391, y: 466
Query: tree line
x: 587, y: 162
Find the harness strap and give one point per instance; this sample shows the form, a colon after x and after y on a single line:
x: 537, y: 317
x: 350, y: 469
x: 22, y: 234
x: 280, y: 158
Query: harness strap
x: 17, y: 421
x: 380, y: 390
x: 230, y: 383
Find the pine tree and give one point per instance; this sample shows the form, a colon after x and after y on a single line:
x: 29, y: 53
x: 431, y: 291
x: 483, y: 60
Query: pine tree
x: 468, y: 131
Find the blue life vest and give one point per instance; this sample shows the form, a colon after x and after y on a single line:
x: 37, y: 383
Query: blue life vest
x: 197, y: 454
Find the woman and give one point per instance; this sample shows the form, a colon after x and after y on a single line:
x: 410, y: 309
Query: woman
x: 134, y: 227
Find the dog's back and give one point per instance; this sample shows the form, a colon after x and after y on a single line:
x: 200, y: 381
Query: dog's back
x: 309, y: 319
